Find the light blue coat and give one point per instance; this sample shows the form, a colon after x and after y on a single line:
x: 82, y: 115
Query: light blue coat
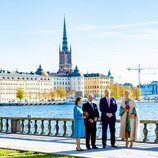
x: 79, y: 130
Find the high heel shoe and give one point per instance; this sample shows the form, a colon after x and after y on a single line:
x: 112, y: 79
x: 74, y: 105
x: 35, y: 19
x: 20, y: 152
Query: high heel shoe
x: 79, y: 149
x: 127, y: 144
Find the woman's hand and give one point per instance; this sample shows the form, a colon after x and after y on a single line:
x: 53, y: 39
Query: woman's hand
x: 132, y: 116
x: 126, y: 110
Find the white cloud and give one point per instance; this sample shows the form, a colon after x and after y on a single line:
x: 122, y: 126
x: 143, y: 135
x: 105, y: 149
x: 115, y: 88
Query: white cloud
x: 87, y: 27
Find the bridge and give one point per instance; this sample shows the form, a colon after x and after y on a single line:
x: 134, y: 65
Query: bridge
x: 54, y: 135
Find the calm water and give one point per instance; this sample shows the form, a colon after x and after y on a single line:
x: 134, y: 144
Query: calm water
x: 146, y: 110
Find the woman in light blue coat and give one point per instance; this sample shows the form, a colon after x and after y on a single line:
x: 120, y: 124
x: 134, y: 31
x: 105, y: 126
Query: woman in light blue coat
x: 79, y: 131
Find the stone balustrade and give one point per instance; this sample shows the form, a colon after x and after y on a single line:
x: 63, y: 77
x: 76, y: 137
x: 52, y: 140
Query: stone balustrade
x: 63, y: 127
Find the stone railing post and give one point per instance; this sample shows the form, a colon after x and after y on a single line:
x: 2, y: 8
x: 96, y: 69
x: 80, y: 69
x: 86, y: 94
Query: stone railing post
x: 57, y: 128
x: 42, y: 127
x: 145, y: 131
x: 29, y: 126
x: 156, y: 133
x: 1, y: 125
x: 7, y: 125
x: 64, y: 128
x: 49, y: 128
x: 35, y: 126
x: 22, y: 127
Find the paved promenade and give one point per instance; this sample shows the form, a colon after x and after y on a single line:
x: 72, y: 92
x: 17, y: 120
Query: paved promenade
x: 66, y: 146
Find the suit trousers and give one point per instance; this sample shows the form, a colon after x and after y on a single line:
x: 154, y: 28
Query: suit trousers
x: 90, y: 133
x: 111, y: 123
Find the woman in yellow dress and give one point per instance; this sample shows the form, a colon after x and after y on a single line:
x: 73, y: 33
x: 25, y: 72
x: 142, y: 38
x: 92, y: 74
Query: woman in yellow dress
x: 130, y: 124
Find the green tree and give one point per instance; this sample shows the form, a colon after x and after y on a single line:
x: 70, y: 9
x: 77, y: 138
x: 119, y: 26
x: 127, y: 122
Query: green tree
x: 20, y: 93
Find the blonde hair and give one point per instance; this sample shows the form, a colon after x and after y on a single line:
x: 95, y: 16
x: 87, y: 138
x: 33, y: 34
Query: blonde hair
x: 127, y: 91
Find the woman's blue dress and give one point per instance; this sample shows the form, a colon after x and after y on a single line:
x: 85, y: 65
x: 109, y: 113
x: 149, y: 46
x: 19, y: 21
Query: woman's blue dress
x: 79, y: 130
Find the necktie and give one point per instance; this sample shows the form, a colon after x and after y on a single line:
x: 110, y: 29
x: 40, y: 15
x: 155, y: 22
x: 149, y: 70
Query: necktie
x: 92, y: 106
x: 108, y: 100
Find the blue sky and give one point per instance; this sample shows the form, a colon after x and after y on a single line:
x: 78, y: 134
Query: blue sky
x: 104, y: 34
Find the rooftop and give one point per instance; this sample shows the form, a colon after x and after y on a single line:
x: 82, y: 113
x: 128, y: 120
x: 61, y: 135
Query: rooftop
x: 95, y: 75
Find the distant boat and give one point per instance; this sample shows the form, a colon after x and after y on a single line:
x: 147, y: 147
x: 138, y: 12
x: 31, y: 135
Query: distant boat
x: 72, y: 100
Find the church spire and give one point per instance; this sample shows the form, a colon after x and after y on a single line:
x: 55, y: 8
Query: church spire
x: 65, y: 62
x: 65, y: 45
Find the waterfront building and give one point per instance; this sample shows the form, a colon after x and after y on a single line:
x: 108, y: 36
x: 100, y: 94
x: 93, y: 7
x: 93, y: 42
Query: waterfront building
x: 150, y: 89
x: 128, y: 85
x: 41, y: 82
x: 72, y: 82
x: 96, y: 83
x: 77, y: 82
x: 60, y: 80
x: 35, y: 86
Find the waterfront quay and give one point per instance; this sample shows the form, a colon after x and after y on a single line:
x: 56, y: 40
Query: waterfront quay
x: 55, y: 135
x: 66, y: 146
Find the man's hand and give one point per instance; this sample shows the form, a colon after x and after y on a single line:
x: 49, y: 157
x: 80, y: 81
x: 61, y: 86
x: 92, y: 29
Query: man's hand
x: 95, y: 119
x: 91, y: 121
x: 109, y: 115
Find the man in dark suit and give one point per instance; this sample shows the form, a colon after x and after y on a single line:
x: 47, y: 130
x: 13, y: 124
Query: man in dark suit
x: 108, y: 108
x: 90, y: 122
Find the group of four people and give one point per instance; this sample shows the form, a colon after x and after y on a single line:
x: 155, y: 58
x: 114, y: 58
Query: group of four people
x: 86, y: 117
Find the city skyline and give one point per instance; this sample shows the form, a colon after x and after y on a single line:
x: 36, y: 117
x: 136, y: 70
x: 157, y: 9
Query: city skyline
x: 31, y: 33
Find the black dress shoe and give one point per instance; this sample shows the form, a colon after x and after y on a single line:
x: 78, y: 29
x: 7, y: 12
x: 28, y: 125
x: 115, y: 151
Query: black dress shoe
x: 114, y: 146
x: 104, y: 146
x: 88, y: 148
x: 95, y: 147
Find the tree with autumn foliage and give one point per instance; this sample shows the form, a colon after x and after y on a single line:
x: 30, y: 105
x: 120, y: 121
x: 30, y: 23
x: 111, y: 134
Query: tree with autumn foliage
x: 136, y: 93
x: 20, y: 93
x: 61, y: 92
x: 117, y: 91
x: 53, y: 93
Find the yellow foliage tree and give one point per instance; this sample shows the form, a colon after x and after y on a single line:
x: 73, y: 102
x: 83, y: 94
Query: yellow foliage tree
x: 53, y: 93
x: 136, y: 92
x: 20, y: 93
x: 117, y: 91
x: 61, y: 92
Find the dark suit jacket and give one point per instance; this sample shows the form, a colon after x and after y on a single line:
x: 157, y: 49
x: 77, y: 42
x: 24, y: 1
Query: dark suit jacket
x: 104, y: 108
x: 92, y: 112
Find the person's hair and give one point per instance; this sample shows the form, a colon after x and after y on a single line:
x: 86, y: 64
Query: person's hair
x: 107, y: 89
x: 127, y: 91
x: 90, y: 95
x: 77, y: 100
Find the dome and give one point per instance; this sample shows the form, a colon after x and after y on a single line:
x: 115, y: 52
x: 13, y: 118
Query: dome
x: 76, y: 72
x: 39, y: 70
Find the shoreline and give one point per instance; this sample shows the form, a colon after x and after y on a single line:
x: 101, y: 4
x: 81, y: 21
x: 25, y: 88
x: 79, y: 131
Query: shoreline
x: 58, y: 103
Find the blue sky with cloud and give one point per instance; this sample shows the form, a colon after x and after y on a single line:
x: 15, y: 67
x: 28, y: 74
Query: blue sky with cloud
x: 103, y: 34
